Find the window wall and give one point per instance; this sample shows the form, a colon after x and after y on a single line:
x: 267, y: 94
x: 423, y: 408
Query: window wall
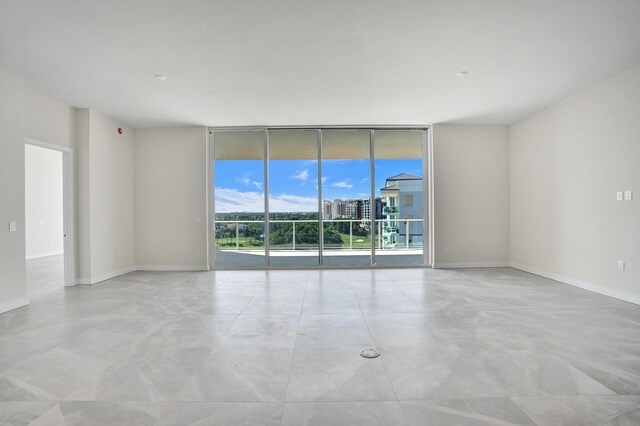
x: 289, y: 198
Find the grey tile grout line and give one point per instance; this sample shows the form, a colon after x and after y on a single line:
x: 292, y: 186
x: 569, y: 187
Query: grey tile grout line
x: 167, y: 401
x: 213, y: 348
x: 381, y: 355
x: 57, y: 345
x: 293, y: 352
x: 452, y: 337
x: 532, y: 308
x: 410, y: 299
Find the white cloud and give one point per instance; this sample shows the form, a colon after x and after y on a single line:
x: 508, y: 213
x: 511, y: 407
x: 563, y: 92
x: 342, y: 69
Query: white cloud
x: 343, y: 184
x: 302, y: 176
x: 248, y: 182
x: 229, y: 200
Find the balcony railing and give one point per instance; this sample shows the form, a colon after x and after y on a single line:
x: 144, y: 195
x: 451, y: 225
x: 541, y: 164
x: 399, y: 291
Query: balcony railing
x: 353, y: 234
x: 389, y: 210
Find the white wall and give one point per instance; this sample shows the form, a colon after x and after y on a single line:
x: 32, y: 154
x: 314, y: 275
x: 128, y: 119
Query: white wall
x: 13, y: 288
x: 105, y: 198
x: 43, y: 202
x: 49, y: 120
x: 567, y: 163
x: 471, y: 191
x: 23, y: 113
x: 170, y: 192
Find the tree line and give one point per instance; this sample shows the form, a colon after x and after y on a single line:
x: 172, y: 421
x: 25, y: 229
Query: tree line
x: 282, y: 233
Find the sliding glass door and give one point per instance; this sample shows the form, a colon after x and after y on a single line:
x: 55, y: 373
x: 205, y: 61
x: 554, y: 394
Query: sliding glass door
x: 238, y: 194
x: 294, y: 232
x: 400, y: 194
x: 289, y: 198
x: 346, y: 192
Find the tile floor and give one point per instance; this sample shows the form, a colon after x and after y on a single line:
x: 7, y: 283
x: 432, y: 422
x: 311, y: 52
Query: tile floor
x: 458, y: 347
x: 45, y: 274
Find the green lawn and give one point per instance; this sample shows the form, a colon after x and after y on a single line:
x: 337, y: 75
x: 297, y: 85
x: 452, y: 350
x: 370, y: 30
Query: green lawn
x: 359, y: 241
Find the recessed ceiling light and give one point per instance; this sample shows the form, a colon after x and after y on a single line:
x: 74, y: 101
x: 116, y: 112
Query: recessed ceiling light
x: 160, y: 77
x: 462, y: 73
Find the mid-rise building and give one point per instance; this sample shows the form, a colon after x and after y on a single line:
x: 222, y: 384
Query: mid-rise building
x: 351, y: 209
x: 326, y: 210
x: 338, y: 208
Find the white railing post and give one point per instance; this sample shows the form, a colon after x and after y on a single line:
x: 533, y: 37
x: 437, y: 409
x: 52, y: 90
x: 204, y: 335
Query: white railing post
x: 379, y: 235
x: 406, y: 233
x: 351, y: 234
x: 294, y: 236
x: 237, y: 235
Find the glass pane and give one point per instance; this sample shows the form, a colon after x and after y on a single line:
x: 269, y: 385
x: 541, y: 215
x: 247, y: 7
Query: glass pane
x: 399, y: 189
x: 293, y: 198
x: 346, y: 188
x: 239, y: 199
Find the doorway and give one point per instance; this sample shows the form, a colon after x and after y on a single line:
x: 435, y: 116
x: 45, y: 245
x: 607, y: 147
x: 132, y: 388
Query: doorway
x: 48, y: 217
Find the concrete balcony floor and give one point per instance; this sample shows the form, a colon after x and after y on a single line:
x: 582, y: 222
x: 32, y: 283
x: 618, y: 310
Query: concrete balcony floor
x: 235, y: 259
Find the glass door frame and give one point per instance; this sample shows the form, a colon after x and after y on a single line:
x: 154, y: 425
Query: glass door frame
x: 427, y: 193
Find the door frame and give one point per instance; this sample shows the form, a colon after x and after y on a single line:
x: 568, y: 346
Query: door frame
x: 68, y: 207
x: 428, y: 188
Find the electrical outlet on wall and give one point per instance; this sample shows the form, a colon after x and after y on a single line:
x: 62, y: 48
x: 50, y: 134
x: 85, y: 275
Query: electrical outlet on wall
x: 619, y: 196
x: 13, y: 227
x: 628, y: 195
x: 620, y: 265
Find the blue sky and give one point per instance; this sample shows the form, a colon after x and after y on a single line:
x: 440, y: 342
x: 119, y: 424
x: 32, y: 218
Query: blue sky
x: 294, y: 183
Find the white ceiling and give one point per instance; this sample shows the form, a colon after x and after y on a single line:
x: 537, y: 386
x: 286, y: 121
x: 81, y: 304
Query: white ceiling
x: 303, y: 62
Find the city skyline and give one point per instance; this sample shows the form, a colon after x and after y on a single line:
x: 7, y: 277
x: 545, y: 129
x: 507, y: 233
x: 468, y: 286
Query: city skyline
x: 294, y: 183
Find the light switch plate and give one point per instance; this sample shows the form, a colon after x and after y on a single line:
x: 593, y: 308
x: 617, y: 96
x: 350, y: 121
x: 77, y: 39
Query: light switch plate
x: 620, y: 265
x: 628, y: 195
x: 619, y: 196
x: 13, y: 227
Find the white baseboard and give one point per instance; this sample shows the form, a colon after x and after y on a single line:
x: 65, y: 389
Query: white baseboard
x: 622, y: 295
x: 159, y: 268
x: 471, y: 265
x: 104, y: 277
x: 14, y: 304
x: 46, y: 254
x: 172, y: 268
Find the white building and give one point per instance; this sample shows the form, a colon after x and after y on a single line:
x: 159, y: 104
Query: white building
x: 403, y: 198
